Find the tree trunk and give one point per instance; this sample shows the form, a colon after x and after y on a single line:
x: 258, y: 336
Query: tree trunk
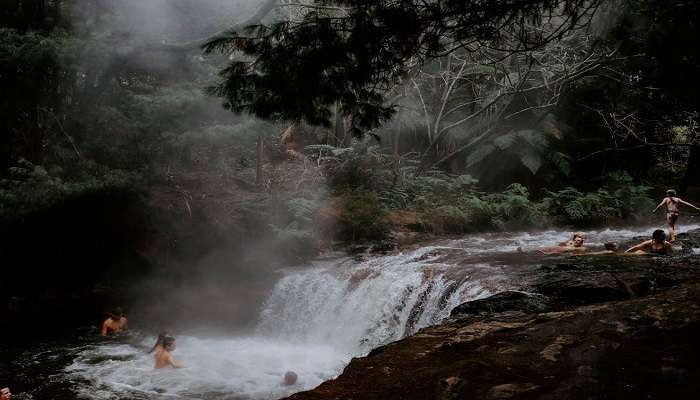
x: 397, y: 141
x: 397, y: 155
x: 337, y: 126
x: 259, y: 161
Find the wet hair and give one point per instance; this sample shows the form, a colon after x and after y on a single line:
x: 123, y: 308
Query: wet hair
x: 118, y: 312
x: 168, y: 340
x: 611, y: 246
x: 164, y: 340
x: 658, y: 236
x: 290, y: 378
x: 670, y: 192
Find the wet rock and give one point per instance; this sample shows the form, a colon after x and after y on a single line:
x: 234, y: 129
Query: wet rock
x: 501, y: 302
x: 579, y: 287
x: 509, y: 390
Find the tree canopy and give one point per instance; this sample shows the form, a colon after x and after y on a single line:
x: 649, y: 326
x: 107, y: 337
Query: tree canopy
x: 351, y: 52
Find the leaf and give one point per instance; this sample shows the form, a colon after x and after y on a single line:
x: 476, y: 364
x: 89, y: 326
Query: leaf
x: 534, y: 138
x: 505, y: 141
x: 531, y: 161
x: 561, y: 161
x: 479, y: 154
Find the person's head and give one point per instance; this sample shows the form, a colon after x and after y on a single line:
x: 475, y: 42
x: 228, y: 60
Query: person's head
x: 611, y: 246
x: 168, y: 343
x: 577, y: 239
x: 659, y: 236
x: 290, y: 378
x: 670, y: 193
x: 5, y: 394
x: 159, y: 342
x: 118, y: 313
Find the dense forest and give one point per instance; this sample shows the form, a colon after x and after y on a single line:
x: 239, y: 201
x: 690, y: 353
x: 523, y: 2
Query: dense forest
x: 363, y: 123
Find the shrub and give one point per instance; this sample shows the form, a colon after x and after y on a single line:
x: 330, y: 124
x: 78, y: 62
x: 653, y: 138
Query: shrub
x: 30, y: 188
x: 362, y: 218
x: 449, y: 219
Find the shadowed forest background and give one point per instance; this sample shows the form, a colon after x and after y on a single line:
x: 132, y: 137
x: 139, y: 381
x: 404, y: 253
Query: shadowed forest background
x: 123, y: 177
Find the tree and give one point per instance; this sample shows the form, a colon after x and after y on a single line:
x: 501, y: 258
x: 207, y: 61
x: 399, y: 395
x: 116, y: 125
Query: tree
x: 354, y: 51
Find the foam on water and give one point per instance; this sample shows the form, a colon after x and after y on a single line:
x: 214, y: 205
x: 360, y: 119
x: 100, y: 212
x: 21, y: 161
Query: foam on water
x: 215, y: 368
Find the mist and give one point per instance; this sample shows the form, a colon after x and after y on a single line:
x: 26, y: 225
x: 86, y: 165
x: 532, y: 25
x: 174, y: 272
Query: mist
x: 220, y: 279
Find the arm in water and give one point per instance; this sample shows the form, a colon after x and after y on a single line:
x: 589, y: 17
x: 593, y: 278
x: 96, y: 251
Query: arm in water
x: 171, y: 361
x: 639, y: 247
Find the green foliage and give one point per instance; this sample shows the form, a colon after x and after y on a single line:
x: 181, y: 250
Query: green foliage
x: 362, y: 217
x: 619, y: 199
x: 30, y: 188
x: 532, y: 149
x: 571, y: 205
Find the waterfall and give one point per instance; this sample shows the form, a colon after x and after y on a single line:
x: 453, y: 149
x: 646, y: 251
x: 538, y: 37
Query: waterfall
x: 358, y: 305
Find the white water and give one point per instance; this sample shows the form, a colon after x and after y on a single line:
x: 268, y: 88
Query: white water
x: 316, y: 319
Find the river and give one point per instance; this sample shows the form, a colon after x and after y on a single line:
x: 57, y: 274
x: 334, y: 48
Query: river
x: 316, y: 318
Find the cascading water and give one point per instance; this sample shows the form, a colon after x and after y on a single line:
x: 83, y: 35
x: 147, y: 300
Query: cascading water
x: 318, y: 317
x: 357, y: 306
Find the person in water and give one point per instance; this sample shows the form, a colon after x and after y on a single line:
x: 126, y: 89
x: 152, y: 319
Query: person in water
x: 159, y: 343
x: 5, y: 394
x: 290, y: 378
x: 575, y: 245
x: 162, y: 350
x: 608, y: 248
x: 657, y: 245
x: 672, y: 202
x: 576, y: 241
x: 115, y: 323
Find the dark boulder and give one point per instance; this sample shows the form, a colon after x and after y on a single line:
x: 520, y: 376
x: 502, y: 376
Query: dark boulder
x: 502, y: 302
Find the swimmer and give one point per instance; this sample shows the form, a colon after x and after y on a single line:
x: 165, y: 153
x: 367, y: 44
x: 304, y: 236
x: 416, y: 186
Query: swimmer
x: 116, y: 323
x: 5, y: 394
x: 672, y: 202
x: 576, y: 241
x: 290, y: 378
x: 657, y: 245
x: 609, y: 248
x: 575, y: 244
x: 159, y: 343
x: 164, y: 346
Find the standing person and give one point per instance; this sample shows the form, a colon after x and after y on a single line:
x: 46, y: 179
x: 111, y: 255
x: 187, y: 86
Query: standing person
x: 164, y: 346
x: 116, y: 323
x: 5, y: 394
x: 672, y: 202
x: 657, y: 245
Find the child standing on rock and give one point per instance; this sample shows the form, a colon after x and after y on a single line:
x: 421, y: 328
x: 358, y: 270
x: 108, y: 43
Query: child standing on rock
x: 672, y: 202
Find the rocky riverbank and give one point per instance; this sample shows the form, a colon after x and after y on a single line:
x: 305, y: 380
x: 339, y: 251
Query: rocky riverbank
x: 606, y: 326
